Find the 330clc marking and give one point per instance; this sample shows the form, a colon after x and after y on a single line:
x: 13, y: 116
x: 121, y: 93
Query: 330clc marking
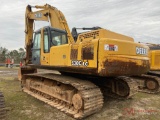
x: 79, y: 63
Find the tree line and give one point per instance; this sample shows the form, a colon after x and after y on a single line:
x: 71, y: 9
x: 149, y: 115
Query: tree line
x: 17, y: 55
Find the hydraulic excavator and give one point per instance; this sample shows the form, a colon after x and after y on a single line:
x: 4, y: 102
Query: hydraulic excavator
x: 89, y: 62
x: 150, y: 82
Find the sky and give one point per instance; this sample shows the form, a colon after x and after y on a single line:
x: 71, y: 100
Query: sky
x: 135, y: 18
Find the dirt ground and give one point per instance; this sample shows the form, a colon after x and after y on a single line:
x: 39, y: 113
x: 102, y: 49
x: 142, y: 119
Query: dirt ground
x: 24, y: 107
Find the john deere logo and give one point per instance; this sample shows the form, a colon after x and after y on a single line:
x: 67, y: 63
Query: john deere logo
x: 141, y: 51
x: 38, y: 15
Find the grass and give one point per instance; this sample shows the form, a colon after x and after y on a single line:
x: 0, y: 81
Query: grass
x: 24, y: 107
x: 13, y: 98
x: 8, y: 69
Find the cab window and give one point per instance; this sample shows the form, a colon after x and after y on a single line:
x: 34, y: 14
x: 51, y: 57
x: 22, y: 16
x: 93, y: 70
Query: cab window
x: 58, y: 38
x: 37, y: 39
x: 46, y: 45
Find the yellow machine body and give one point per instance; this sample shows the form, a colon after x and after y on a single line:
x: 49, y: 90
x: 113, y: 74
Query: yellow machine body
x: 154, y: 60
x: 99, y: 52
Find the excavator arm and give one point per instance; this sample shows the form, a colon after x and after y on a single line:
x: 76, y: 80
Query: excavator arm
x: 47, y: 13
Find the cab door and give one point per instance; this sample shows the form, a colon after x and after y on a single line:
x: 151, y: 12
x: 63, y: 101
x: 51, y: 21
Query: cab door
x: 36, y: 49
x: 45, y: 45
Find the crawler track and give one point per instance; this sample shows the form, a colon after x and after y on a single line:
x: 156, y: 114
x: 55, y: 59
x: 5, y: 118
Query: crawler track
x: 91, y: 102
x: 154, y: 73
x: 2, y: 107
x: 120, y: 88
x: 148, y: 83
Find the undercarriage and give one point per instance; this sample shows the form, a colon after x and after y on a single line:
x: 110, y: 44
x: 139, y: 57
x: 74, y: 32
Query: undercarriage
x: 73, y: 96
x: 120, y: 87
x: 76, y: 96
x: 149, y: 83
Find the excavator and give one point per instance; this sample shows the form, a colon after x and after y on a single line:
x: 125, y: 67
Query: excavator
x: 92, y: 64
x: 150, y: 82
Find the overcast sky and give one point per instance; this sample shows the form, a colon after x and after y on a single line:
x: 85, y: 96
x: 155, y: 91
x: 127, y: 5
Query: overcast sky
x: 136, y: 18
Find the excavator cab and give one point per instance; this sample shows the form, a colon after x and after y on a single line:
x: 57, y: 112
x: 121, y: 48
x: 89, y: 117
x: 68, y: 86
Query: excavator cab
x: 44, y: 39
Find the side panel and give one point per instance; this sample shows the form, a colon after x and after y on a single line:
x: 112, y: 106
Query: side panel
x: 87, y: 53
x: 60, y: 55
x: 82, y: 55
x: 155, y: 59
x: 122, y: 58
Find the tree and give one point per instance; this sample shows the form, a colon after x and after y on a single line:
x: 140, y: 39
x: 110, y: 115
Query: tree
x: 21, y: 53
x: 17, y: 55
x: 3, y: 53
